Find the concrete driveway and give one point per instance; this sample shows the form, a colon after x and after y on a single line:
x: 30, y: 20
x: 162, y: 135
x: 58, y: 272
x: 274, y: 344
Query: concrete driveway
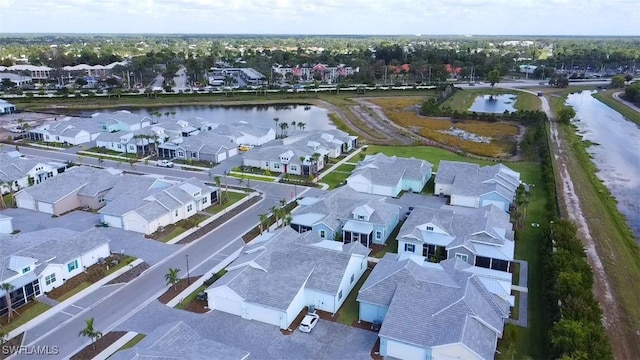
x: 328, y: 340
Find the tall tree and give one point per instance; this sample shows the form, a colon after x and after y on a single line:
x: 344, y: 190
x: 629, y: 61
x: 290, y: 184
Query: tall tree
x: 90, y: 332
x: 8, y: 288
x: 566, y: 114
x: 494, y: 77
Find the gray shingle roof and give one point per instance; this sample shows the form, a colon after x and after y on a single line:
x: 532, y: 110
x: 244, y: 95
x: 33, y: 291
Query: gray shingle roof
x: 384, y: 170
x: 150, y: 197
x: 435, y: 304
x: 84, y: 180
x: 337, y: 206
x: 461, y: 226
x: 177, y: 341
x: 473, y: 180
x: 13, y: 166
x: 121, y: 116
x: 62, y: 244
x: 282, y: 266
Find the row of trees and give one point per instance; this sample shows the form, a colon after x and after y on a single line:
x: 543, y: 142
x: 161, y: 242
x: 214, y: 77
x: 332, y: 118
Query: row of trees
x: 632, y: 93
x: 280, y: 214
x: 577, y: 332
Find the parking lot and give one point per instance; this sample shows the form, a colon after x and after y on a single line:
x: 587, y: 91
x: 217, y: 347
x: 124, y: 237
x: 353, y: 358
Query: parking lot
x: 328, y: 340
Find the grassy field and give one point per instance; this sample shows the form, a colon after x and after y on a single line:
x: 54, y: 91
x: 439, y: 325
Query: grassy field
x: 404, y: 112
x: 606, y: 97
x: 463, y: 99
x: 339, y: 175
x: 528, y: 341
x: 234, y: 197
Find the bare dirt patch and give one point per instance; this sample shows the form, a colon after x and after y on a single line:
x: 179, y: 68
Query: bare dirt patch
x: 11, y: 345
x: 130, y: 274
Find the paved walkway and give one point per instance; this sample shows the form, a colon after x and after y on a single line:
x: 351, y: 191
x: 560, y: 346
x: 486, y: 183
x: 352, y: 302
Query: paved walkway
x: 344, y: 160
x: 48, y: 301
x: 523, y: 306
x: 616, y: 96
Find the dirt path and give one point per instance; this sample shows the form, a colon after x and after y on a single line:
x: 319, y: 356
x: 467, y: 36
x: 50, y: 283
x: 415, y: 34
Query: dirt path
x: 572, y: 208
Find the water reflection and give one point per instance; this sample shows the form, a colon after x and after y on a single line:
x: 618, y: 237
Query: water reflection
x: 496, y: 104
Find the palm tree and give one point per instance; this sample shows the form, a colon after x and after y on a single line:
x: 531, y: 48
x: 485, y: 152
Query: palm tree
x: 226, y: 184
x: 263, y: 222
x: 90, y: 332
x: 172, y: 277
x: 282, y: 127
x: 314, y: 162
x: 293, y: 125
x: 167, y: 114
x: 275, y: 212
x: 216, y: 179
x: 173, y: 113
x: 8, y: 288
x: 302, y: 160
x: 302, y: 125
x: 100, y: 161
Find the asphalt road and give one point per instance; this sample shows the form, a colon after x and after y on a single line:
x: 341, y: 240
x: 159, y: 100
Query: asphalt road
x: 180, y: 80
x: 133, y: 296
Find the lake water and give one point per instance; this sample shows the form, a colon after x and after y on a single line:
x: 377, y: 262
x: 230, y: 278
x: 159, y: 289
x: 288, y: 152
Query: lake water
x: 314, y: 117
x: 617, y: 153
x: 496, y: 104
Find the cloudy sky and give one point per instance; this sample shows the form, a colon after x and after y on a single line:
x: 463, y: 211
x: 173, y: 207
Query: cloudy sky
x: 491, y: 17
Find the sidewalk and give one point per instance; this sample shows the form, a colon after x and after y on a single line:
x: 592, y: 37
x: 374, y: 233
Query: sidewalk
x: 344, y: 160
x: 212, y: 218
x: 70, y: 301
x: 113, y: 348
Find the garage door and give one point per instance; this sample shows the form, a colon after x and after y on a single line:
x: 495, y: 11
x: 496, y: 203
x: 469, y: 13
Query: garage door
x: 404, y: 351
x: 222, y: 156
x: 268, y: 316
x: 45, y: 207
x: 113, y: 221
x: 26, y: 203
x: 226, y: 305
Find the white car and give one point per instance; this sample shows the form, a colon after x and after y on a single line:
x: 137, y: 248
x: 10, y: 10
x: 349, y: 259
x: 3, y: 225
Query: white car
x: 164, y: 163
x: 309, y: 322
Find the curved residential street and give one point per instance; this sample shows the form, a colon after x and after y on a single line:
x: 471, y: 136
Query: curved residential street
x: 616, y: 95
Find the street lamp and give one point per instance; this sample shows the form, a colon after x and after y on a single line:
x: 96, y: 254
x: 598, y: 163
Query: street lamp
x: 188, y: 277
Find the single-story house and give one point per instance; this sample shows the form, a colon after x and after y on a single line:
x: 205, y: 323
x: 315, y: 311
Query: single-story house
x: 482, y: 237
x: 473, y: 186
x: 273, y: 280
x: 346, y: 215
x: 297, y: 158
x: 383, y: 175
x: 17, y: 171
x: 77, y: 187
x: 431, y: 311
x: 168, y: 342
x: 205, y: 146
x: 144, y: 203
x: 38, y: 261
x: 68, y: 130
x: 121, y: 120
x: 135, y: 142
x: 244, y: 134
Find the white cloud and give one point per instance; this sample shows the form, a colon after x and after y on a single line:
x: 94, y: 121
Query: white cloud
x: 566, y: 17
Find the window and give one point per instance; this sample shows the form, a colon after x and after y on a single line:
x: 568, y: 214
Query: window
x: 189, y: 207
x: 323, y: 234
x: 352, y: 277
x: 180, y: 153
x: 50, y: 279
x: 340, y: 295
x: 101, y: 199
x: 176, y: 214
x: 463, y: 257
x: 360, y: 217
x: 72, y: 265
x: 204, y: 200
x: 409, y: 247
x: 293, y: 168
x: 429, y: 228
x: 25, y: 270
x: 276, y: 166
x: 119, y: 146
x: 378, y: 235
x: 58, y: 138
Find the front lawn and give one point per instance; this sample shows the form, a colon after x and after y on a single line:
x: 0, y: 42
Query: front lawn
x: 349, y: 312
x: 234, y: 197
x: 338, y: 176
x: 27, y: 313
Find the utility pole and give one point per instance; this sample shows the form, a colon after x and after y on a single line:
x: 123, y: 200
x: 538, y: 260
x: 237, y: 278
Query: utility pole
x: 188, y: 277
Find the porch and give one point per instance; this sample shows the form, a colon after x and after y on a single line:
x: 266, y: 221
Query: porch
x: 356, y: 231
x: 26, y: 288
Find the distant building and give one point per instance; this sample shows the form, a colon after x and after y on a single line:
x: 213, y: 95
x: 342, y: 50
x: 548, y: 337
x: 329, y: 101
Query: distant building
x: 527, y: 69
x: 322, y: 72
x: 249, y: 76
x: 17, y: 79
x: 6, y: 107
x: 35, y: 72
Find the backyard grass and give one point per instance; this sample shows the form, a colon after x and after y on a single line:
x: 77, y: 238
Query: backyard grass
x: 349, y: 312
x: 431, y: 154
x: 530, y: 341
x: 405, y: 113
x: 606, y: 97
x: 234, y: 197
x: 133, y: 342
x: 27, y: 313
x: 463, y: 99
